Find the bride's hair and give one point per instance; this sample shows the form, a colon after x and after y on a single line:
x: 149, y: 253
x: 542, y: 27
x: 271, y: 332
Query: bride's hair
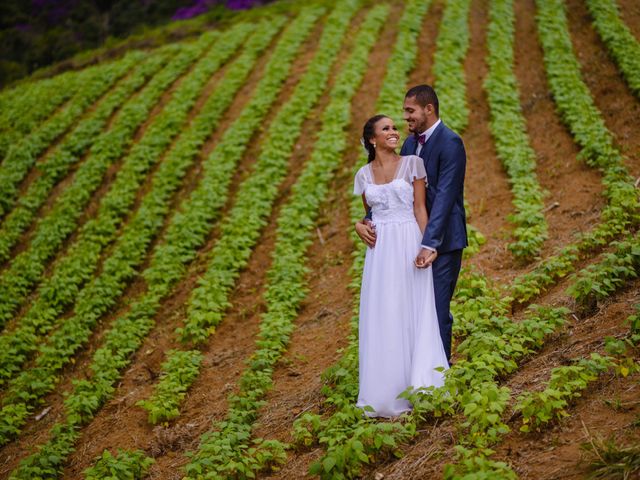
x: 368, y: 132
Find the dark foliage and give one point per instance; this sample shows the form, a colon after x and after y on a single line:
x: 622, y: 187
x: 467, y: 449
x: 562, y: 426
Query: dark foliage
x: 37, y: 33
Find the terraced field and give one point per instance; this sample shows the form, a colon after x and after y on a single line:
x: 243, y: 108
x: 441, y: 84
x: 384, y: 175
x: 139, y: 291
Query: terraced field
x: 179, y: 272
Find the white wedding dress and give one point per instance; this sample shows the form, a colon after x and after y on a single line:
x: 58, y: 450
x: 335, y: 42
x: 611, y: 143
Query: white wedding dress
x: 399, y: 338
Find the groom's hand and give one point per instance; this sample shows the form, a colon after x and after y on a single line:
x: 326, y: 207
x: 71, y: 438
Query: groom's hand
x: 425, y: 258
x: 364, y: 229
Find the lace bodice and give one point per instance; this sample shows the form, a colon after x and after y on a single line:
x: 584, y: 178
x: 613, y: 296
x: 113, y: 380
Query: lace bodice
x: 393, y: 201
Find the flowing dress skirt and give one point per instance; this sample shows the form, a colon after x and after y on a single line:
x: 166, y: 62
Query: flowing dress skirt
x: 399, y: 338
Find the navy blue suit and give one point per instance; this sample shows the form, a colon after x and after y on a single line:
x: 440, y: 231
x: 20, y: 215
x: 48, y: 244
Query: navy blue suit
x: 445, y: 161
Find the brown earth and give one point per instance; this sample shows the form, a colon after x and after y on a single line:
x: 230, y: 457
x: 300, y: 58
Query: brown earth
x: 607, y: 408
x: 486, y: 186
x: 23, y: 243
x: 630, y: 13
x: 620, y: 108
x: 574, y: 201
x: 323, y: 323
x: 233, y: 341
x: 35, y: 434
x: 93, y: 205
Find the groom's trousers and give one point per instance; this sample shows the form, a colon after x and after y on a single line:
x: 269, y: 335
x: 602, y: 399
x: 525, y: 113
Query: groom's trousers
x: 445, y: 271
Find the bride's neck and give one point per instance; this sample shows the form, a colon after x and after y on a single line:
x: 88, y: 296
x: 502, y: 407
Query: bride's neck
x: 384, y: 157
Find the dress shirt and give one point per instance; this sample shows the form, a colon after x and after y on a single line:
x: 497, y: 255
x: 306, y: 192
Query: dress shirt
x: 427, y: 134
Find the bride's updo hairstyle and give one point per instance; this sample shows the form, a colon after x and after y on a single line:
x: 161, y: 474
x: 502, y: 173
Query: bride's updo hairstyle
x: 368, y: 132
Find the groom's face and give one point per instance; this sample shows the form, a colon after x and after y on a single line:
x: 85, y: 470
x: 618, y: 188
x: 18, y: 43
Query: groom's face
x: 415, y: 115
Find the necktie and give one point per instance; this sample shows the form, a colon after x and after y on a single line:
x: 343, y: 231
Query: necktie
x: 422, y: 138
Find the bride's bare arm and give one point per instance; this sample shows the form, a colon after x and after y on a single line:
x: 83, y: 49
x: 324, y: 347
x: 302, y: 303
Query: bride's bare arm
x: 363, y: 228
x: 419, y: 203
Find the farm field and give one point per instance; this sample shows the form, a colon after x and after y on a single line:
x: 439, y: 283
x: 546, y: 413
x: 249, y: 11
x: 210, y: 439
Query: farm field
x: 179, y: 272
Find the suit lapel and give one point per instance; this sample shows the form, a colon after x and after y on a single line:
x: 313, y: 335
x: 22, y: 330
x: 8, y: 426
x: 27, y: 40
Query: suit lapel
x: 427, y: 148
x: 411, y: 145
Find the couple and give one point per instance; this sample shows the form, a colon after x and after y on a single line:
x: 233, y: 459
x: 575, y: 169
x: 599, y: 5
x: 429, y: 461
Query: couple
x: 415, y: 227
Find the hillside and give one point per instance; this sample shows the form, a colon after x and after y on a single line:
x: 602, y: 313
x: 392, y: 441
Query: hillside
x: 179, y: 273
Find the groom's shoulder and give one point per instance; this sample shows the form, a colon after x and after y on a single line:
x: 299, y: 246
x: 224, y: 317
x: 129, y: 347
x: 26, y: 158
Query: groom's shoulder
x: 449, y: 134
x: 450, y: 139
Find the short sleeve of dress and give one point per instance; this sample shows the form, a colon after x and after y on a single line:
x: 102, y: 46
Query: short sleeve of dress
x: 416, y: 168
x: 359, y: 182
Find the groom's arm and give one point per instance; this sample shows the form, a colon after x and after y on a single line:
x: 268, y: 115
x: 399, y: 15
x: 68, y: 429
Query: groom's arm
x: 450, y: 179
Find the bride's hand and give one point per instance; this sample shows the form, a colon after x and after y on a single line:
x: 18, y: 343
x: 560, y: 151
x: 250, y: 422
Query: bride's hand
x: 425, y: 258
x: 365, y: 231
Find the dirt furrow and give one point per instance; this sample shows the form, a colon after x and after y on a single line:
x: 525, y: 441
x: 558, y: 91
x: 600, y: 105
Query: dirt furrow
x: 553, y: 452
x: 227, y: 348
x: 34, y: 172
x: 630, y: 13
x: 620, y: 108
x: 434, y: 447
x: 37, y: 432
x: 574, y: 202
x: 486, y: 186
x: 323, y: 323
x: 423, y: 72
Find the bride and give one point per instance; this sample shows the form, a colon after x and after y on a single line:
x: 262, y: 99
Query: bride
x: 399, y: 339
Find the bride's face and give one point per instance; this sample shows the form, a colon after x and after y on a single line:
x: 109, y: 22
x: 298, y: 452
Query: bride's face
x: 386, y: 134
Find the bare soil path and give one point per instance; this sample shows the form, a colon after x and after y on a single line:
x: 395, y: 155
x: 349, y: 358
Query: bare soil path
x: 486, y: 186
x: 322, y: 326
x: 620, y: 108
x: 630, y: 14
x: 574, y: 202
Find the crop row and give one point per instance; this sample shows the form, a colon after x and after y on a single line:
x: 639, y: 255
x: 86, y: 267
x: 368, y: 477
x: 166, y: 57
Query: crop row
x: 494, y: 346
x: 401, y: 61
x: 343, y: 458
x: 229, y: 448
x: 448, y: 64
x: 129, y: 251
x: 179, y: 371
x: 350, y: 439
x: 241, y: 228
x: 254, y: 201
x: 185, y: 234
x: 58, y: 162
x: 97, y: 297
x: 567, y: 382
x: 578, y: 111
x: 27, y: 268
x: 599, y: 280
x: 509, y: 131
x: 126, y: 465
x: 621, y: 43
x: 81, y: 260
x: 33, y: 103
x: 23, y: 155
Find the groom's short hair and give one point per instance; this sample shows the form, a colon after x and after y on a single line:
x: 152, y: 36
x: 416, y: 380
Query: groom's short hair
x: 424, y: 95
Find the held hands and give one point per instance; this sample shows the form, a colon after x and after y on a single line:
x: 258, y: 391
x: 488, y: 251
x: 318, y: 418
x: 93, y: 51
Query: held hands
x: 367, y: 232
x: 425, y: 258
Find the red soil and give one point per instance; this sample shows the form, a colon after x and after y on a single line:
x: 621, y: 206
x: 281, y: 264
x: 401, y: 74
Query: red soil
x: 323, y: 323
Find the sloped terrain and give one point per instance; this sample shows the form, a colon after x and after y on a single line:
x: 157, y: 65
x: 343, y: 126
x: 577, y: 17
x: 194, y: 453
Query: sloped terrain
x: 179, y: 269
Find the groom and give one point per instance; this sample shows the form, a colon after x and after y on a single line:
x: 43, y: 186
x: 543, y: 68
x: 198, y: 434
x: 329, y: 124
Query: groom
x: 445, y: 159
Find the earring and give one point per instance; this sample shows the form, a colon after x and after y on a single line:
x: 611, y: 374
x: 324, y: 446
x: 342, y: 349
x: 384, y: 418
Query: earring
x: 374, y: 145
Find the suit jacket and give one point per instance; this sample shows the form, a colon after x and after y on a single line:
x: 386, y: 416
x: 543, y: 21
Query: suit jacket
x: 445, y: 161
